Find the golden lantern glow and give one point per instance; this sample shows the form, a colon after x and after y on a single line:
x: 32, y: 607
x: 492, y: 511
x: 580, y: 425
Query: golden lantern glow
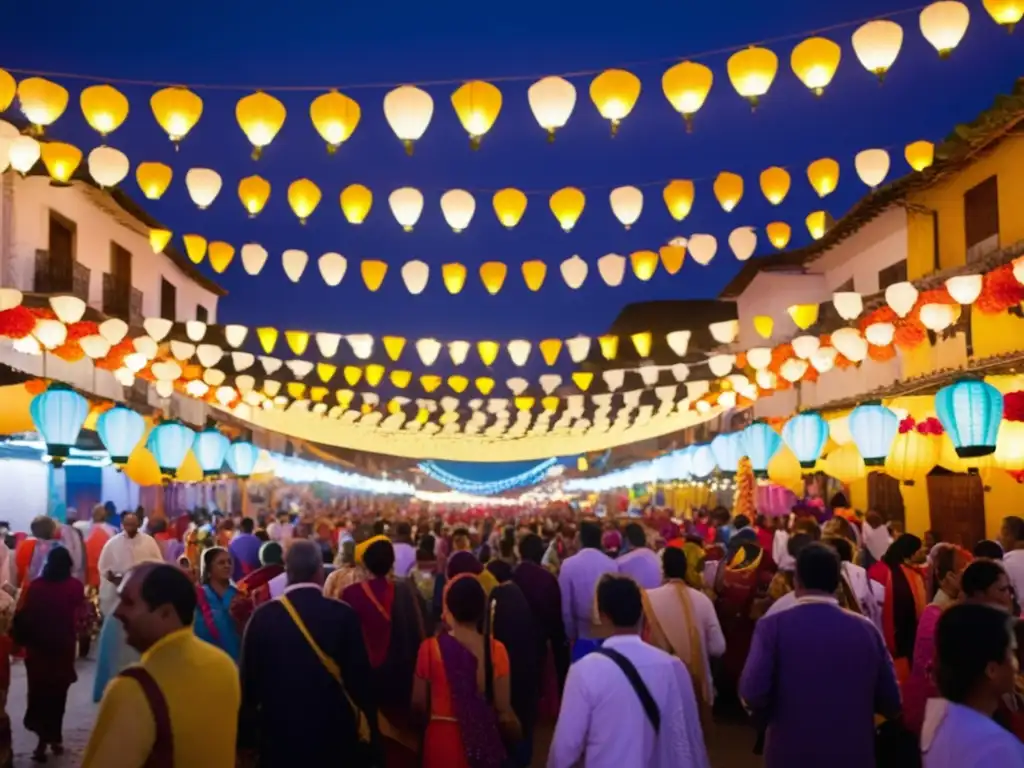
x: 525, y: 403
x: 583, y: 380
x: 550, y: 403
x: 803, y: 315
x: 374, y: 374
x: 220, y: 254
x: 153, y: 179
x: 326, y: 371
x: 614, y: 93
x: 458, y: 384
x: 453, y: 276
x: 764, y: 325
x: 778, y: 233
x: 303, y: 197
x: 335, y: 117
x: 1006, y: 13
x: 1009, y: 453
x: 158, y: 239
x: 872, y: 166
x: 42, y: 101
x: 642, y: 343
x: 393, y: 345
x: 400, y: 379
x: 567, y: 206
x: 488, y: 351
x: 195, y: 247
x: 203, y: 186
x: 644, y: 263
x: 294, y: 262
x: 877, y: 44
x: 458, y: 207
x: 176, y: 110
x: 107, y: 166
x: 406, y: 205
x: 356, y: 201
x: 912, y: 456
x: 672, y: 257
x: 61, y: 160
x: 814, y: 62
x: 373, y: 272
x: 534, y: 273
x: 678, y: 196
x: 254, y: 191
x: 408, y: 111
x: 686, y: 86
x: 823, y: 175
x: 845, y: 464
x: 267, y: 338
x: 944, y: 25
x: 817, y: 224
x: 549, y: 350
x: 492, y: 275
x: 484, y: 385
x: 477, y: 104
x: 609, y: 344
x: 509, y: 206
x: 751, y: 72
x: 627, y: 204
x: 775, y: 184
x: 298, y: 341
x: 729, y: 190
x: 352, y: 374
x: 260, y: 116
x: 552, y: 100
x: 919, y: 154
x: 8, y: 89
x: 104, y: 108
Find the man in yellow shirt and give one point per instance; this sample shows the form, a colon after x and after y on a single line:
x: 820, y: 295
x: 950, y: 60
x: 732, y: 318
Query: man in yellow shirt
x: 179, y: 705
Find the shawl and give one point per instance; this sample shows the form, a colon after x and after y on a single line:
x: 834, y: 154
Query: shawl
x: 904, y: 603
x: 673, y: 627
x: 373, y: 601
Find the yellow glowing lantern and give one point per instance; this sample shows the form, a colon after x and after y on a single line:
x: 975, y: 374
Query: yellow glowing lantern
x: 153, y: 179
x: 104, y: 108
x: 400, y: 379
x: 393, y: 345
x: 430, y: 382
x: 453, y: 276
x: 534, y: 273
x: 919, y: 154
x: 944, y: 25
x: 260, y: 116
x: 567, y: 206
x: 1006, y: 13
x: 823, y: 174
x: 352, y: 374
x: 614, y: 93
x: 509, y: 206
x: 176, y: 110
x: 484, y: 385
x: 373, y: 272
x: 406, y: 206
x: 644, y: 263
x: 335, y: 117
x: 549, y: 350
x: 221, y: 254
x: 817, y: 224
x: 61, y: 160
x: 298, y: 341
x: 267, y: 338
x: 751, y: 72
x: 326, y: 371
x: 158, y: 239
x: 778, y: 233
x: 492, y: 275
x: 42, y: 101
x: 877, y: 44
x: 728, y: 189
x: 8, y: 89
x: 583, y: 380
x: 408, y: 110
x: 550, y: 403
x: 552, y: 100
x: 912, y: 456
x: 815, y: 62
x: 609, y: 344
x: 303, y: 197
x: 253, y: 191
x: 195, y: 247
x: 356, y: 201
x: 672, y: 257
x: 477, y: 104
x: 488, y: 351
x: 686, y: 86
x: 458, y: 384
x: 641, y: 342
x: 775, y: 184
x: 803, y: 315
x: 764, y: 325
x: 678, y: 196
x: 1009, y: 453
x: 374, y: 374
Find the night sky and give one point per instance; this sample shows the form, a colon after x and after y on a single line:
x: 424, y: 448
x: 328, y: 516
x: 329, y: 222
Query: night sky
x: 268, y: 44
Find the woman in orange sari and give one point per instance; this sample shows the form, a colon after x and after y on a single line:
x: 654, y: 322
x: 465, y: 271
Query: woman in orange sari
x: 905, y: 600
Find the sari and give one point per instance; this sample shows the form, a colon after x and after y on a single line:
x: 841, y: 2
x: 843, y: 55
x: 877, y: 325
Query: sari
x: 214, y: 621
x: 342, y: 578
x: 540, y: 587
x: 905, y: 601
x: 919, y: 685
x: 740, y: 581
x: 253, y: 591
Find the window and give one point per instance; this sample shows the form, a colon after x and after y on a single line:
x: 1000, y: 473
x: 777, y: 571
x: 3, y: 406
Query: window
x: 58, y: 277
x: 168, y: 300
x: 981, y: 219
x: 895, y: 273
x: 117, y: 294
x: 201, y: 314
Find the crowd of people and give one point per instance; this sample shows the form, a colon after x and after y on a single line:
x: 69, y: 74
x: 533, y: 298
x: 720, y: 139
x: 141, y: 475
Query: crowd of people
x: 537, y: 638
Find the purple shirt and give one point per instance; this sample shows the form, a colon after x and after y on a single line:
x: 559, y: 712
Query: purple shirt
x: 577, y: 581
x: 818, y: 711
x: 643, y: 565
x: 245, y: 554
x: 405, y: 559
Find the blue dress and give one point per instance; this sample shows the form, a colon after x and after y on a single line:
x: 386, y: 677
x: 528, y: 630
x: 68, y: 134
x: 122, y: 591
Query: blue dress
x: 223, y: 633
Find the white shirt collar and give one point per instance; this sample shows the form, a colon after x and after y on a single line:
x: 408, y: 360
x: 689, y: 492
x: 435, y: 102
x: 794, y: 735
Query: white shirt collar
x: 303, y: 585
x: 615, y: 640
x: 811, y: 599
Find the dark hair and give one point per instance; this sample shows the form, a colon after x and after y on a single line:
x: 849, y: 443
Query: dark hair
x: 618, y: 598
x: 904, y: 548
x: 461, y: 531
x: 1014, y: 526
x: 403, y: 529
x: 740, y: 521
x: 979, y: 576
x: 165, y: 584
x: 248, y: 525
x: 158, y: 526
x: 673, y: 563
x: 944, y: 563
x: 379, y: 558
x: 809, y: 526
x: 842, y: 547
x: 133, y: 513
x: 262, y: 535
x: 209, y: 555
x: 43, y: 527
x: 465, y: 601
x: 427, y: 544
x: 272, y: 553
x: 507, y: 543
x: 635, y: 535
x: 590, y: 534
x: 58, y: 565
x: 838, y: 501
x: 531, y: 548
x: 968, y: 638
x: 817, y: 568
x: 988, y: 549
x: 798, y: 542
x: 378, y: 527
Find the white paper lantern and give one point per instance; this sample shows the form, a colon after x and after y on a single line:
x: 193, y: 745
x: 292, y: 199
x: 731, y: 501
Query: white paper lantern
x: 242, y: 361
x: 234, y: 335
x: 877, y: 44
x: 549, y: 382
x: 95, y: 346
x: 332, y: 268
x: 209, y: 355
x: 743, y: 242
x: 614, y: 379
x: 725, y: 332
x: 519, y: 351
x: 901, y: 297
x: 254, y: 256
x: 108, y: 166
x: 69, y: 309
x: 965, y: 289
x: 574, y: 271
x: 11, y: 298
x: 361, y: 344
x: 766, y: 379
x: 679, y: 342
x: 793, y: 370
x: 195, y: 330
x: 328, y: 343
x: 850, y: 344
x: 650, y: 374
x: 182, y: 350
x: 203, y: 186
x: 50, y: 333
x: 824, y: 359
x: 612, y: 268
x: 294, y: 263
x: 579, y: 348
x: 721, y: 365
x: 458, y: 207
x: 126, y: 378
x: 406, y: 206
x: 702, y: 248
x: 944, y: 25
x: 880, y: 334
x: 937, y: 317
x: 164, y: 389
x: 872, y: 166
x: 144, y: 345
x: 805, y: 346
x: 627, y: 204
x: 552, y: 100
x: 849, y: 304
x: 415, y: 275
x: 408, y: 110
x: 759, y: 357
x: 157, y: 327
x: 428, y: 350
x: 134, y: 361
x: 300, y: 368
x: 458, y: 351
x: 23, y: 153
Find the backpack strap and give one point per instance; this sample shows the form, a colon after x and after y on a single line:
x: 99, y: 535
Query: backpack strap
x: 649, y: 705
x: 162, y: 753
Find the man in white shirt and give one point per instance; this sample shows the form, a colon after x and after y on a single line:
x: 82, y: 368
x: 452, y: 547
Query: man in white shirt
x: 405, y: 552
x: 604, y: 722
x: 1012, y: 538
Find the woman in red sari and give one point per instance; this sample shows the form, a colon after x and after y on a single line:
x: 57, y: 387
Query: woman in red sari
x: 905, y: 600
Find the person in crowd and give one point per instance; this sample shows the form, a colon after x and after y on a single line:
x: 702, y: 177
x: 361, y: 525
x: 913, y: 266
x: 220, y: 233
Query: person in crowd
x: 501, y: 567
x: 442, y: 546
x: 703, y: 526
x: 611, y: 542
x: 876, y: 537
x: 462, y: 541
x: 425, y: 573
x: 1011, y: 536
x: 7, y: 606
x: 795, y: 650
x: 281, y: 530
x: 682, y: 621
x: 245, y: 550
x: 405, y: 552
x: 560, y: 548
x: 31, y: 553
x: 696, y: 560
x: 857, y: 592
x: 577, y: 579
x: 178, y: 707
x: 254, y: 589
x: 346, y: 571
x: 96, y: 533
x: 393, y: 624
x: 986, y: 582
x: 215, y: 598
x: 128, y: 549
x: 639, y: 561
x: 905, y: 599
x: 783, y: 584
x: 46, y: 625
x: 628, y: 703
x: 976, y: 667
x: 307, y: 691
x: 988, y: 549
x: 462, y: 684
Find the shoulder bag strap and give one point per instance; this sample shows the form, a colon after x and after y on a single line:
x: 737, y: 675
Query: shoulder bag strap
x: 162, y: 753
x: 649, y: 705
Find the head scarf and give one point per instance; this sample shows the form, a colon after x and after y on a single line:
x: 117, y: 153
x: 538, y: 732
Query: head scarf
x: 365, y: 545
x: 611, y: 541
x: 694, y: 564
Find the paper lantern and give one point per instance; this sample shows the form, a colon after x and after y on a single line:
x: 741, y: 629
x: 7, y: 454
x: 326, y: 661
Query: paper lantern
x: 294, y: 263
x: 8, y: 89
x: 458, y: 207
x: 104, y: 108
x: 775, y: 184
x: 113, y: 330
x: 760, y: 444
x: 823, y: 359
x: 778, y: 234
x: 332, y: 268
x: 454, y: 277
x: 335, y: 117
x: 751, y: 72
x: 702, y: 461
x: 41, y: 101
x: 901, y: 297
x: 567, y: 206
x: 509, y: 206
x: 408, y: 110
x: 195, y: 247
x: 672, y: 257
x: 627, y: 203
x: 159, y: 238
x: 743, y: 242
x: 267, y: 338
x: 880, y: 334
x: 678, y: 196
x: 50, y: 333
x: 235, y: 335
x: 58, y: 414
x: 549, y: 350
x: 845, y: 464
x: 107, y: 166
x: 759, y: 358
x: 877, y: 44
x: 406, y: 206
x: 814, y: 62
x: 210, y: 447
x: 241, y: 457
x: 373, y: 273
x: 169, y: 442
x: 764, y: 325
x: 727, y: 449
x: 805, y: 346
x: 374, y: 374
x: 356, y: 201
x: 579, y: 348
x: 428, y: 350
x: 61, y: 160
x: 721, y: 365
x: 23, y: 152
x: 702, y: 248
x: 415, y: 275
x: 912, y: 456
x: 69, y: 309
x: 458, y: 351
x: 644, y: 263
x: 492, y: 275
x: 149, y: 348
x: 964, y: 289
x: 176, y: 110
x: 153, y: 179
x: 944, y: 25
x: 609, y: 345
x: 298, y: 341
x: 686, y: 86
x: 549, y: 382
x: 793, y: 369
x: 254, y: 256
x: 120, y: 430
x: 614, y: 93
x: 728, y: 188
x: 260, y: 116
x: 642, y: 343
x: 519, y: 351
x: 574, y: 272
x: 872, y: 166
x: 970, y: 411
x: 678, y: 342
x: 817, y: 224
x: 94, y: 346
x: 612, y: 268
x: 823, y: 174
x: 919, y: 154
x: 303, y: 197
x: 938, y: 317
x: 848, y: 304
x: 873, y: 428
x: 582, y: 380
x: 220, y: 254
x: 477, y: 105
x: 361, y: 344
x: 1006, y: 13
x: 552, y: 100
x: 806, y: 435
x: 803, y: 315
x: 725, y: 332
x: 203, y: 186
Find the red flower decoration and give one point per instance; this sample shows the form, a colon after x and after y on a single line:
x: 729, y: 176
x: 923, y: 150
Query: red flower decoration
x: 81, y: 329
x: 17, y: 322
x: 1000, y: 291
x: 930, y: 426
x: 909, y: 334
x: 1013, y: 406
x: 1016, y: 474
x: 907, y: 425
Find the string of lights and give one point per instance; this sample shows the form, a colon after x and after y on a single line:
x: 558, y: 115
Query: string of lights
x: 488, y: 487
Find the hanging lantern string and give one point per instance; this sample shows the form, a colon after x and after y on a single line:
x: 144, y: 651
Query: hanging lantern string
x: 704, y: 54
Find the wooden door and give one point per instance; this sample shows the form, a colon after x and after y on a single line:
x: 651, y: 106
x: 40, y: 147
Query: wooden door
x: 957, y: 504
x: 885, y: 498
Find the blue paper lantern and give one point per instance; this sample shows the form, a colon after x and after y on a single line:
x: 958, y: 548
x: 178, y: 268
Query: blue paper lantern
x: 728, y: 449
x: 806, y: 435
x: 702, y: 461
x: 59, y: 414
x: 873, y: 427
x: 971, y: 412
x: 169, y: 443
x: 210, y: 448
x: 760, y: 444
x: 242, y: 456
x: 120, y: 429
